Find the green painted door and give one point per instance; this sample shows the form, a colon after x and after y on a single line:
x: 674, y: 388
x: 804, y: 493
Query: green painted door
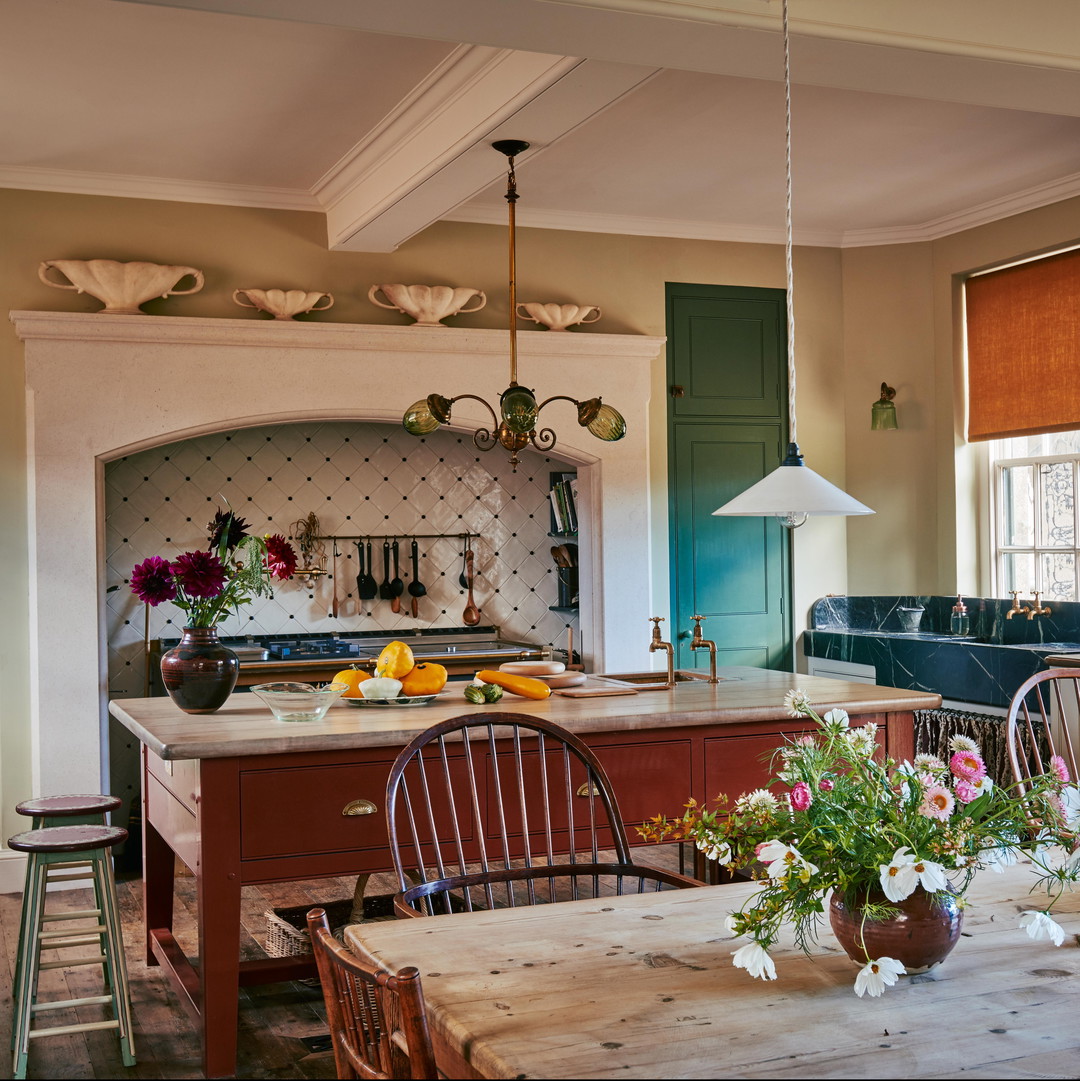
x: 727, y: 429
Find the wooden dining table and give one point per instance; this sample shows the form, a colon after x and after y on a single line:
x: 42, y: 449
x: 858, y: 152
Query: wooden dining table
x: 643, y: 986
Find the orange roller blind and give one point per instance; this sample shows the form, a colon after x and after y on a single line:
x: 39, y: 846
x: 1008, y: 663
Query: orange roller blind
x: 1023, y: 345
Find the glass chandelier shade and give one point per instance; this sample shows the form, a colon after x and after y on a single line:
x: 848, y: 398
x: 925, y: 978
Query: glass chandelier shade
x: 514, y: 426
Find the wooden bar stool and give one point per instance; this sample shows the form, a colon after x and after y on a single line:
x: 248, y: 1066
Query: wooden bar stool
x: 83, y: 809
x: 49, y: 847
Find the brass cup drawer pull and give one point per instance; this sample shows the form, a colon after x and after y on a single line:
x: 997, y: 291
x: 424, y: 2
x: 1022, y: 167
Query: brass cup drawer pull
x: 588, y: 789
x: 359, y: 807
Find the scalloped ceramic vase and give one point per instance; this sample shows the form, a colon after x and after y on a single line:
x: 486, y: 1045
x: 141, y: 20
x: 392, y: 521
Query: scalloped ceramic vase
x: 558, y: 316
x: 283, y: 303
x: 121, y: 287
x: 428, y: 304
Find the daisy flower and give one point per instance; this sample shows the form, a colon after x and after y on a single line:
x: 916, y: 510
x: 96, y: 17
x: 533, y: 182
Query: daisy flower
x: 862, y: 740
x: 963, y: 743
x: 929, y: 763
x: 1041, y: 925
x: 967, y: 766
x: 760, y: 801
x: 756, y: 960
x: 874, y: 977
x: 937, y: 802
x: 796, y: 702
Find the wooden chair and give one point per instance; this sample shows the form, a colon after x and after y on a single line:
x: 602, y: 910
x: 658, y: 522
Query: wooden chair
x: 1038, y: 723
x: 378, y: 1024
x: 481, y: 815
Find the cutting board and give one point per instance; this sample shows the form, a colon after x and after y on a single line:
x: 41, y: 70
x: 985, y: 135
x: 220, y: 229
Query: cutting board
x: 593, y: 692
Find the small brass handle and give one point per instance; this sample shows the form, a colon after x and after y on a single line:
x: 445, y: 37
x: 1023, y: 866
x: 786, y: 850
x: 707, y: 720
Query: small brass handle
x: 588, y: 789
x: 359, y: 807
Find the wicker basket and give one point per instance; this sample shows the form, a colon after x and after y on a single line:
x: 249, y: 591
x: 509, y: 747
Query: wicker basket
x: 286, y: 928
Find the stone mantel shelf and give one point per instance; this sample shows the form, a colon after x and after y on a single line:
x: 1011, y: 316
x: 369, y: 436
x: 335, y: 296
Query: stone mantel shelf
x: 185, y: 330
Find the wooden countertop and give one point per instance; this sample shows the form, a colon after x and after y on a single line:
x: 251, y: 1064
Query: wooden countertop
x: 244, y: 726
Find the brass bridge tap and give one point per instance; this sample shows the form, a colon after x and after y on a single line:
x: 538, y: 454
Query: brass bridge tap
x: 697, y: 642
x: 1039, y: 609
x: 656, y: 644
x: 1017, y: 609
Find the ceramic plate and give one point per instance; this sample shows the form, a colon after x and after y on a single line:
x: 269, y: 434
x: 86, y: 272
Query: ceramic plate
x: 402, y: 701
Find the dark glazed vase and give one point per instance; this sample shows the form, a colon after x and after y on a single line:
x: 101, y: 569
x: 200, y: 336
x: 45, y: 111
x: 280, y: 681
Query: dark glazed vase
x: 200, y: 673
x: 920, y: 935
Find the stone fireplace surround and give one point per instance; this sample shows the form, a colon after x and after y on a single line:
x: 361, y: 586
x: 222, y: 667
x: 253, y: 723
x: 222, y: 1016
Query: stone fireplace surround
x: 102, y: 386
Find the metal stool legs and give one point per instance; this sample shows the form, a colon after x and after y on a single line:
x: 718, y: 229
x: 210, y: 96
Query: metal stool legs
x: 50, y: 848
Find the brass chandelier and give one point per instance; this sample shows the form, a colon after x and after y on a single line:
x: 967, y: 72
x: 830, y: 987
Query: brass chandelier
x: 514, y: 426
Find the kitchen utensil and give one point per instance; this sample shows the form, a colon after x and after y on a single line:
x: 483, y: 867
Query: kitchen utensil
x: 417, y: 588
x: 333, y: 586
x: 590, y: 692
x: 368, y: 587
x: 471, y: 615
x: 384, y: 585
x: 462, y: 580
x: 397, y: 586
x: 359, y: 567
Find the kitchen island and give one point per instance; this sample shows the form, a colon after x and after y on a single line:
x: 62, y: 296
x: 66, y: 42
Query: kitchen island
x: 241, y: 798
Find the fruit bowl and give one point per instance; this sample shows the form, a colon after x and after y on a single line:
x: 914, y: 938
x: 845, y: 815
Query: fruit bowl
x: 299, y: 701
x: 400, y: 700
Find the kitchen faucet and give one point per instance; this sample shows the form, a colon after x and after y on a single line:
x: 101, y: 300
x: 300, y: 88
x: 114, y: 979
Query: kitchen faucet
x: 1039, y: 609
x: 697, y: 642
x: 656, y: 644
x: 1016, y: 609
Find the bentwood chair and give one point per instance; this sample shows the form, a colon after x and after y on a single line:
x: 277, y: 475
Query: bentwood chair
x: 1040, y: 716
x: 492, y: 810
x: 378, y: 1024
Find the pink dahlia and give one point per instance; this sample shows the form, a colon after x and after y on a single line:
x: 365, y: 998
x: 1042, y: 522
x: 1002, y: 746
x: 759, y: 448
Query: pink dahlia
x: 801, y: 796
x: 280, y: 557
x: 968, y: 766
x: 151, y: 581
x: 1059, y: 769
x: 826, y: 784
x: 200, y: 574
x: 937, y: 802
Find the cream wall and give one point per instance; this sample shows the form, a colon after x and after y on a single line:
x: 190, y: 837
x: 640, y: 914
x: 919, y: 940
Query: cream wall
x: 238, y: 247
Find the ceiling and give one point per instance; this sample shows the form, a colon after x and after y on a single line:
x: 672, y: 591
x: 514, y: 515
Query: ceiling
x: 652, y: 117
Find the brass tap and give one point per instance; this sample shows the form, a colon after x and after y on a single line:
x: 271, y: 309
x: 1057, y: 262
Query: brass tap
x: 1039, y: 609
x: 1016, y: 609
x: 656, y: 644
x: 697, y: 642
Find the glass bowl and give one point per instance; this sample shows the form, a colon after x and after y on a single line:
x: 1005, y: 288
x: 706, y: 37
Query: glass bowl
x: 299, y: 701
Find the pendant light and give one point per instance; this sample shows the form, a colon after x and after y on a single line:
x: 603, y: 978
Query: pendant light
x: 514, y: 426
x: 792, y: 491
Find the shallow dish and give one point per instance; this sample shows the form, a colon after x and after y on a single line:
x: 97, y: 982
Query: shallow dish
x: 299, y: 701
x: 402, y: 701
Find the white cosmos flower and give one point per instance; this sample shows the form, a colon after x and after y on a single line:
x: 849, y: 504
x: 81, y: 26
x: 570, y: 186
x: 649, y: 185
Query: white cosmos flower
x: 983, y: 784
x: 756, y: 960
x: 784, y: 860
x: 836, y: 718
x: 1040, y: 925
x: 874, y: 977
x: 899, y: 877
x: 997, y: 857
x: 931, y: 875
x: 1070, y: 797
x: 732, y: 923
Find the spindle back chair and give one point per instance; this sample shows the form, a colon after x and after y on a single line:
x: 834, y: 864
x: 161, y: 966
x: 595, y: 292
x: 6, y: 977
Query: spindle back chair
x: 378, y: 1023
x: 492, y: 810
x: 1041, y: 714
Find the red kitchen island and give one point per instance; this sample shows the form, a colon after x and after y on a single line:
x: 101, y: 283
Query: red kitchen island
x: 242, y: 799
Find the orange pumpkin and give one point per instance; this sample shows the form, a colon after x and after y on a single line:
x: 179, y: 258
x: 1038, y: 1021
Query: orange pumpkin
x: 352, y: 678
x: 426, y: 678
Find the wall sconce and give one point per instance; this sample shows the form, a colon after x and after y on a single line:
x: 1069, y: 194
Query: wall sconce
x: 883, y: 412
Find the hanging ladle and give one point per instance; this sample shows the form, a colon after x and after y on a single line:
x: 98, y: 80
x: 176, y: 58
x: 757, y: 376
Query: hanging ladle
x: 471, y: 615
x: 417, y: 589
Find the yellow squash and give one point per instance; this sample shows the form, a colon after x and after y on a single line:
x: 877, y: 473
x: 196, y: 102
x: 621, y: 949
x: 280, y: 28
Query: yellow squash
x: 395, y: 661
x: 426, y: 678
x: 352, y: 678
x: 525, y: 686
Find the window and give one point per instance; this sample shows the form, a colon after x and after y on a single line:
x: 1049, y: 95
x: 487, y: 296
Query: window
x: 1034, y: 481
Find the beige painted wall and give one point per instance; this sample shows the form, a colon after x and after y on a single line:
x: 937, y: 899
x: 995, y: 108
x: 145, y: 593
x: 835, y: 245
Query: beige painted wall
x: 238, y: 247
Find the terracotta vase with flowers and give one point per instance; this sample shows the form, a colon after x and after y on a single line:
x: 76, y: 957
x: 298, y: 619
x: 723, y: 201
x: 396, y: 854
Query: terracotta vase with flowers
x: 887, y: 847
x: 206, y: 585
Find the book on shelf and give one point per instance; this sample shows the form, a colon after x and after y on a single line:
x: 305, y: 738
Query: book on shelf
x: 564, y: 503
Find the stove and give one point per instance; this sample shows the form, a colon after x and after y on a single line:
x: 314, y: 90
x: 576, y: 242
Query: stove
x: 310, y: 649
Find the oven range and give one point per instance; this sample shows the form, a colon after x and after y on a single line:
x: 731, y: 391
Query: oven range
x: 316, y: 657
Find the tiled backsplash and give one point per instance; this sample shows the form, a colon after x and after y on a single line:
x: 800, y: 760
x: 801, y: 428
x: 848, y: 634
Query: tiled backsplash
x: 359, y: 479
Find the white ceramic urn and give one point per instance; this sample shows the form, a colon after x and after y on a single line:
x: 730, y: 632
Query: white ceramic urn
x: 428, y: 304
x: 121, y: 287
x: 558, y: 316
x: 283, y: 303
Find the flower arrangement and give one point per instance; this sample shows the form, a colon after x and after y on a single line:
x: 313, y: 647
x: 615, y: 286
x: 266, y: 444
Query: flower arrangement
x: 874, y: 831
x: 206, y: 584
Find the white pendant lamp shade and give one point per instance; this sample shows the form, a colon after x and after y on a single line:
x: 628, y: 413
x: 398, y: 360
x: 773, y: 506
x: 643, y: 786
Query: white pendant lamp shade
x: 792, y: 492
